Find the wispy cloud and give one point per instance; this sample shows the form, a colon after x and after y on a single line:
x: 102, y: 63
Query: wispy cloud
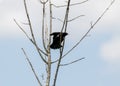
x: 110, y: 50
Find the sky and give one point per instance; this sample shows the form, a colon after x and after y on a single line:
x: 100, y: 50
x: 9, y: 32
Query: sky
x: 101, y: 48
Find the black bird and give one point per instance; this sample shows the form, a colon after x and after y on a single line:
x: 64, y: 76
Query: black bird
x: 58, y: 37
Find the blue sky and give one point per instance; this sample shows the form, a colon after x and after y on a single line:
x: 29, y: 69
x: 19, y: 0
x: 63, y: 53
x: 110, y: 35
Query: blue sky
x: 101, y: 67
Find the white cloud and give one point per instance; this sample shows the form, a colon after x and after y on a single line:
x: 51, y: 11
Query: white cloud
x: 110, y: 50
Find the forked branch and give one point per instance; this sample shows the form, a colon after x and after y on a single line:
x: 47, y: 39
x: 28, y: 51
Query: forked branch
x: 29, y: 37
x: 31, y: 30
x: 85, y: 35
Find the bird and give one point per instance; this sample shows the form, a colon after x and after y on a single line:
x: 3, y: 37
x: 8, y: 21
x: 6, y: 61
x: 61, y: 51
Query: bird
x: 58, y: 38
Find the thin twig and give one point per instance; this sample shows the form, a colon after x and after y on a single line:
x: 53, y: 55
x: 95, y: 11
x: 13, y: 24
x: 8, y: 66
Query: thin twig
x: 75, y: 18
x: 70, y: 4
x: 33, y: 70
x: 57, y: 19
x: 72, y: 62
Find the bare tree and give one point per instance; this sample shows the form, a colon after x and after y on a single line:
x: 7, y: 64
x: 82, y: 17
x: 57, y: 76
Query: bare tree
x: 45, y: 54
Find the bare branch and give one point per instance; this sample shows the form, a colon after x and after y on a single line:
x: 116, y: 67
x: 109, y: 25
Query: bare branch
x: 70, y: 4
x: 75, y: 18
x: 51, y: 22
x: 65, y: 23
x: 92, y: 25
x: 43, y: 28
x: 72, y: 62
x: 33, y: 70
x: 29, y: 21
